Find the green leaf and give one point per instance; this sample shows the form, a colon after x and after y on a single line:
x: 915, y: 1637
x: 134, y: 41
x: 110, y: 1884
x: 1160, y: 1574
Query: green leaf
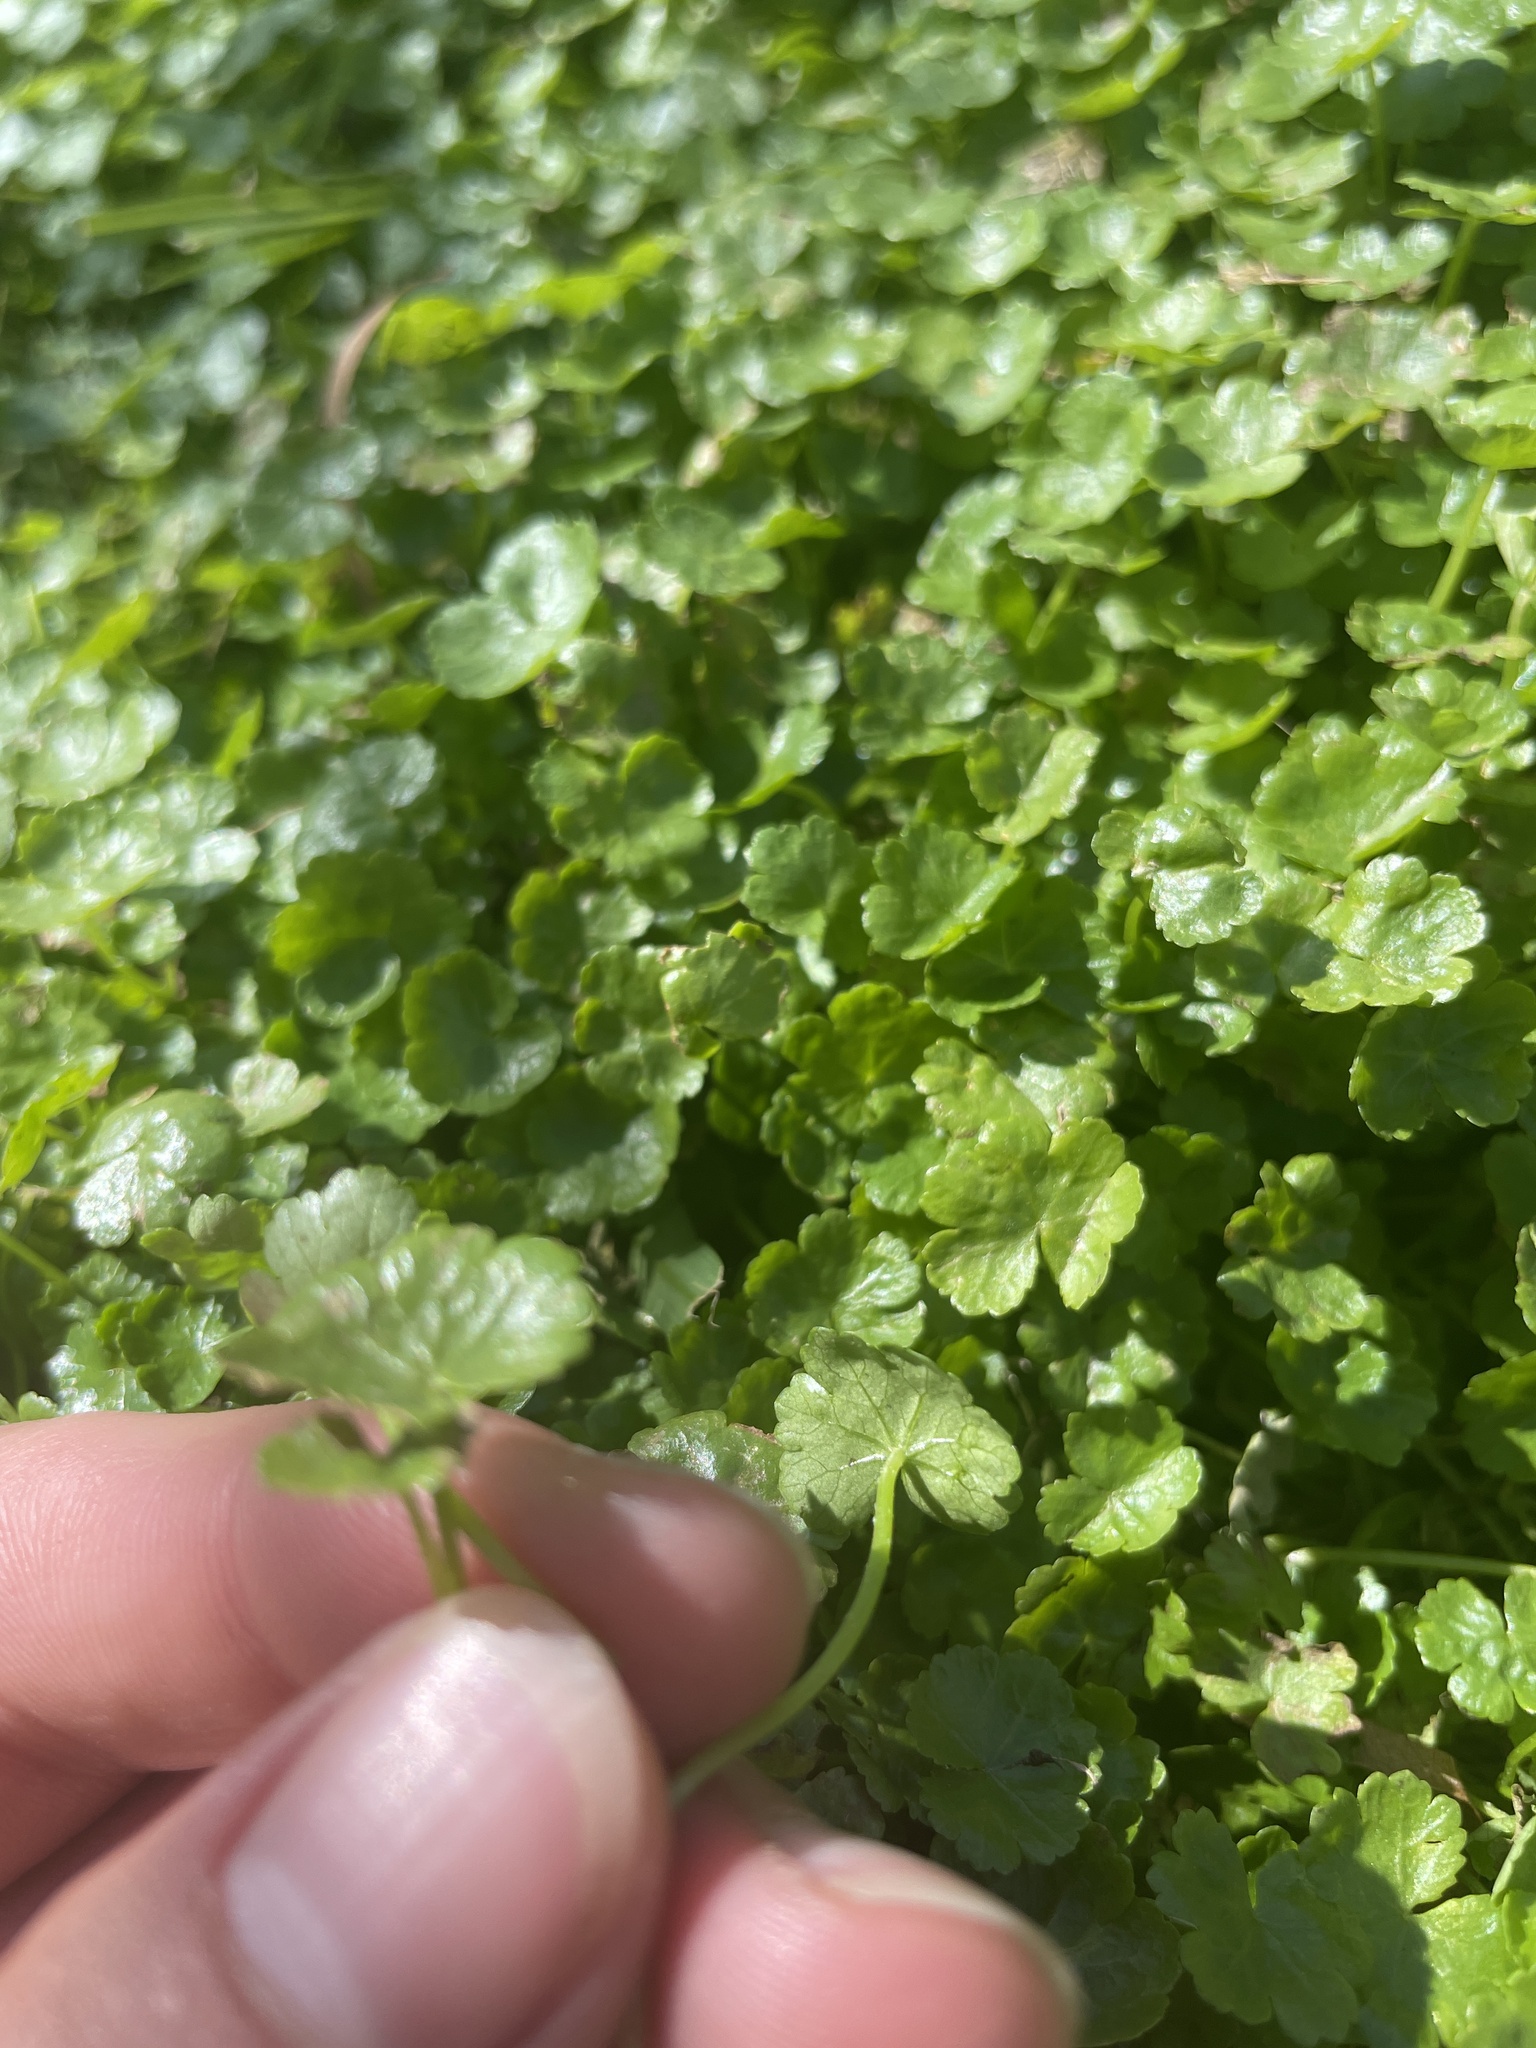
x: 88, y: 739
x: 359, y: 919
x: 270, y: 1094
x: 325, y: 1458
x: 1103, y: 431
x: 1011, y: 1193
x: 469, y: 1043
x: 1235, y: 443
x: 1497, y: 1412
x: 1261, y: 1945
x: 932, y: 885
x: 650, y: 808
x: 1013, y: 1756
x: 1031, y: 942
x: 540, y: 583
x: 69, y: 1086
x: 1132, y: 1477
x: 733, y: 986
x: 357, y: 1213
x: 574, y: 1153
x: 1467, y: 1058
x: 1491, y: 1657
x: 73, y: 863
x: 1030, y: 770
x: 1336, y: 798
x: 1395, y: 935
x: 807, y: 881
x: 977, y: 370
x: 561, y: 918
x: 852, y: 1407
x: 146, y: 1160
x: 711, y: 1448
x: 840, y: 1276
x: 1360, y: 1390
x: 438, y: 1318
x: 624, y: 1027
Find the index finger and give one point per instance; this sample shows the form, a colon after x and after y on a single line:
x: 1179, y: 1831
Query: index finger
x: 163, y: 1601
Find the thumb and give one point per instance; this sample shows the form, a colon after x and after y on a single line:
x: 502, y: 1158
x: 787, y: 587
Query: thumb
x: 456, y: 1842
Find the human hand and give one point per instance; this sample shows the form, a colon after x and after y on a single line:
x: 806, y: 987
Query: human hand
x: 255, y: 1793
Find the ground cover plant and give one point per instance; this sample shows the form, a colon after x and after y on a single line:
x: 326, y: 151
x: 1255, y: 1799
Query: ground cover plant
x: 801, y: 735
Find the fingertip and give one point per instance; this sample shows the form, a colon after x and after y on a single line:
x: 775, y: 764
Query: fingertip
x: 784, y: 1930
x: 701, y: 1595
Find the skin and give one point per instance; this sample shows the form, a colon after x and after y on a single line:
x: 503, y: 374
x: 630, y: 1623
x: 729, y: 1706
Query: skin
x: 255, y: 1792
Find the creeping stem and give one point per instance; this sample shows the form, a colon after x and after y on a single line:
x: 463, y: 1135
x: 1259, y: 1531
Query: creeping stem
x: 1456, y: 560
x: 826, y: 1667
x: 1408, y: 1560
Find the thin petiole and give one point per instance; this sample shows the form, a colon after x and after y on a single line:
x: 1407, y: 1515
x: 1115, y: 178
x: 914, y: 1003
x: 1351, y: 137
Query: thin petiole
x: 1408, y: 1560
x: 439, y: 1571
x: 448, y: 1537
x: 1456, y: 560
x: 826, y: 1667
x: 1456, y: 268
x: 1050, y: 611
x: 19, y: 1249
x: 1515, y: 1759
x: 1213, y: 1444
x: 455, y: 1512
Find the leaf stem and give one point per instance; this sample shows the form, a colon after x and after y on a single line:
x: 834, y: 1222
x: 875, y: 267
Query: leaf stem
x: 820, y: 1674
x: 1514, y: 628
x: 1456, y: 560
x: 1213, y: 1444
x: 456, y: 1512
x: 19, y: 1249
x: 448, y: 1537
x: 1513, y: 1761
x: 1456, y: 268
x: 1409, y: 1560
x: 1051, y: 610
x: 440, y: 1571
x: 1381, y: 178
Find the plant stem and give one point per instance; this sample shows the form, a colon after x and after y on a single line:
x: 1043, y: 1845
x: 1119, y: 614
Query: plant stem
x: 1381, y: 179
x: 1455, y: 269
x: 19, y: 1249
x: 1456, y: 560
x: 1515, y: 627
x: 826, y: 1667
x: 453, y: 1509
x: 1409, y: 1560
x: 448, y: 1537
x: 1050, y: 611
x: 1213, y: 1444
x: 1515, y: 1759
x: 440, y: 1572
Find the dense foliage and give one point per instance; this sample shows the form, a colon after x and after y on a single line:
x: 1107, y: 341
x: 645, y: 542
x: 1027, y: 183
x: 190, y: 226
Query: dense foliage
x: 845, y: 691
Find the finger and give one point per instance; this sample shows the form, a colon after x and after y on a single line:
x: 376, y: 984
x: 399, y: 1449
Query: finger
x: 700, y: 1597
x: 458, y: 1842
x: 30, y: 1893
x: 782, y: 1931
x: 162, y: 1601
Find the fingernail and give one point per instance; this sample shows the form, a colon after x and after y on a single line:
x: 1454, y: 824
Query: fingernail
x: 423, y: 1868
x: 873, y: 1873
